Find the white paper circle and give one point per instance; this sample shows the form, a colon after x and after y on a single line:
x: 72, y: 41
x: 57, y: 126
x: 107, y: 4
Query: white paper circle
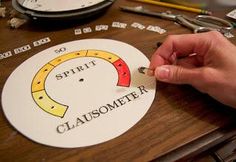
x: 79, y: 93
x: 58, y: 5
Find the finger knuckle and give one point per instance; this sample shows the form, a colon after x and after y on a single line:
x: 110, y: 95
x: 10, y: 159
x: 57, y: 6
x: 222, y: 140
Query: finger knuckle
x: 176, y: 75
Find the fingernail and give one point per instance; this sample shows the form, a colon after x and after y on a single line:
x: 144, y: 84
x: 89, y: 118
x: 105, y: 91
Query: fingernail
x: 162, y: 73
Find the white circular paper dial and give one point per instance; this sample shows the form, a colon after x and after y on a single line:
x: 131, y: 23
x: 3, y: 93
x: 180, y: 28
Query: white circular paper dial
x: 79, y: 93
x: 58, y: 5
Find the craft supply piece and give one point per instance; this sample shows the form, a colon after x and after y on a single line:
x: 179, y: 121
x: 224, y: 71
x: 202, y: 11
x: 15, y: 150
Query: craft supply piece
x: 101, y: 27
x: 3, y: 11
x: 138, y: 25
x: 232, y: 14
x: 156, y: 29
x: 5, y: 55
x: 78, y: 31
x: 16, y: 22
x: 119, y: 25
x: 146, y: 71
x: 79, y: 93
x: 87, y: 30
x: 175, y: 6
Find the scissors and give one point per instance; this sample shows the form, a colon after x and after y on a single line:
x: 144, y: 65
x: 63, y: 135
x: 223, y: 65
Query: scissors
x: 201, y: 23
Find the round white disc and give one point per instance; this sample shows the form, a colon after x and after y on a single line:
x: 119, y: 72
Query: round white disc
x: 58, y: 5
x: 79, y: 93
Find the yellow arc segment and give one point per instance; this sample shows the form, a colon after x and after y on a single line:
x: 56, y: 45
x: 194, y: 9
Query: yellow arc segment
x: 49, y: 105
x: 39, y: 79
x: 38, y: 85
x: 103, y: 55
x: 68, y: 56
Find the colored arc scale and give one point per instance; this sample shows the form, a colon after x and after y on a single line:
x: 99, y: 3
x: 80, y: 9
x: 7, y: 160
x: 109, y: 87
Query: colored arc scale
x: 49, y: 105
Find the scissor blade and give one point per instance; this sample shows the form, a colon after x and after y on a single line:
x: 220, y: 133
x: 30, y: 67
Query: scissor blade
x: 141, y: 10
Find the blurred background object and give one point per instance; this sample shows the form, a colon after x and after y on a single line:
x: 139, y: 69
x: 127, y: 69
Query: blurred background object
x: 190, y: 3
x: 204, y: 4
x: 226, y: 2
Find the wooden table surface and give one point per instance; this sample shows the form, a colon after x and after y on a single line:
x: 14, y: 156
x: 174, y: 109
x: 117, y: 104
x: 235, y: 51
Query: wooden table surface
x: 180, y: 123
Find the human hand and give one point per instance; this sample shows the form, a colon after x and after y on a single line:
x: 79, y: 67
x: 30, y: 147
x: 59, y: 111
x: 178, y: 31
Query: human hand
x: 207, y: 61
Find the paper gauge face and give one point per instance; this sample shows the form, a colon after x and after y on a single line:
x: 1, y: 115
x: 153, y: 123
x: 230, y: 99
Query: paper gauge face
x: 58, y: 5
x: 79, y: 93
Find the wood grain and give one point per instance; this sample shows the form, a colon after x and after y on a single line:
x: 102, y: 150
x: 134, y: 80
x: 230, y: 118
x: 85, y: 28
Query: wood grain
x: 180, y: 116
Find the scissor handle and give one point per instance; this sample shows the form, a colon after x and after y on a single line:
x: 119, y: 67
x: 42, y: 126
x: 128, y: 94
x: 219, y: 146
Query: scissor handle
x: 214, y: 22
x: 203, y: 23
x: 190, y: 23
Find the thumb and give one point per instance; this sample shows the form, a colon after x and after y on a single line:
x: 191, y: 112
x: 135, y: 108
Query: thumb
x: 176, y: 74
